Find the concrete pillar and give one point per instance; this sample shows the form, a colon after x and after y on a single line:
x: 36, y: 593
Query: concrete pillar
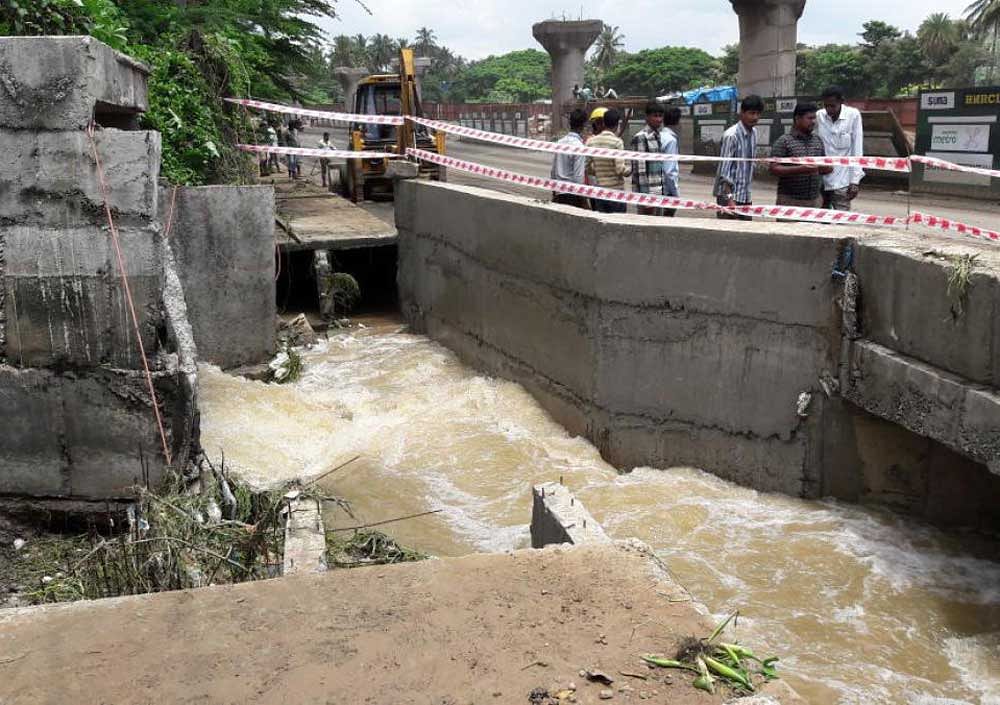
x: 768, y: 35
x: 567, y: 43
x: 349, y: 79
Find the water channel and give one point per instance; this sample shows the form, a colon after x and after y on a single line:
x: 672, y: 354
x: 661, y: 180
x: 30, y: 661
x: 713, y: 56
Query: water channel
x: 863, y: 606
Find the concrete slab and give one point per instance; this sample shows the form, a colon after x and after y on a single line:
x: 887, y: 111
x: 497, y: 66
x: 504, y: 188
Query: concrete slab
x: 482, y: 629
x: 57, y: 83
x: 557, y: 517
x: 314, y: 219
x: 52, y: 176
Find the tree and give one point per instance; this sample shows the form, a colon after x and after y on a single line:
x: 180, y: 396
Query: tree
x: 608, y: 48
x: 938, y: 37
x: 425, y: 41
x: 654, y: 72
x: 875, y: 33
x: 729, y: 64
x: 381, y: 50
x: 344, y: 52
x: 983, y: 17
x: 530, y: 66
x: 834, y: 64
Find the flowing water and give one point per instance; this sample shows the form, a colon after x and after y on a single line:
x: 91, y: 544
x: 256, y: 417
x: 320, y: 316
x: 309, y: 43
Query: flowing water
x: 863, y: 606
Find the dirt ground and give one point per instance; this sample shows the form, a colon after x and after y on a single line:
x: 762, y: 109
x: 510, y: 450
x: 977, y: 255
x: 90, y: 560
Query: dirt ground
x: 480, y: 629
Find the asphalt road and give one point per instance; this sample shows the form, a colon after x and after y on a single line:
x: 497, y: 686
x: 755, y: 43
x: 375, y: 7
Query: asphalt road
x: 873, y: 200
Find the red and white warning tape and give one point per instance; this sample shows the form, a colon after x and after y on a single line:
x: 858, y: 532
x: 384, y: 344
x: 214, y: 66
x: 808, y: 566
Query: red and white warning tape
x: 936, y: 163
x: 815, y: 215
x: 933, y: 221
x: 322, y: 153
x: 320, y: 114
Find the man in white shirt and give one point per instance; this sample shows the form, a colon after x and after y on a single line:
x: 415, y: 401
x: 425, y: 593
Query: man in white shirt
x: 839, y: 126
x: 324, y: 164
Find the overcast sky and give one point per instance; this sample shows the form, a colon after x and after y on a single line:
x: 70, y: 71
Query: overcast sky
x: 479, y: 28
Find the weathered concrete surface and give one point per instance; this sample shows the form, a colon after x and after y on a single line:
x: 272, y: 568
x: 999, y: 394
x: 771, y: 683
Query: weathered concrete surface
x: 927, y: 401
x: 56, y: 83
x: 557, y: 517
x: 74, y: 436
x: 64, y: 299
x: 457, y: 630
x: 567, y: 43
x: 305, y: 538
x: 51, y: 177
x: 349, y: 78
x: 223, y: 241
x: 691, y: 342
x: 768, y: 40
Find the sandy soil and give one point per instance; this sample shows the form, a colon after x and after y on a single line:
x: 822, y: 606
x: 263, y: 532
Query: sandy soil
x: 454, y: 631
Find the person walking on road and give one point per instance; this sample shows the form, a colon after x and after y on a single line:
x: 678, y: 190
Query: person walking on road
x: 572, y: 167
x: 607, y: 172
x: 671, y: 145
x: 734, y: 177
x: 800, y: 184
x: 840, y: 128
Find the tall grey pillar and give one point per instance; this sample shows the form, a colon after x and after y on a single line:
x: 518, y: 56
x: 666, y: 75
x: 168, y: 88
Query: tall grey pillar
x: 349, y: 79
x: 768, y: 37
x: 567, y: 43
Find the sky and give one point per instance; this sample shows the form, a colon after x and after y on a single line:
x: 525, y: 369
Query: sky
x: 478, y: 29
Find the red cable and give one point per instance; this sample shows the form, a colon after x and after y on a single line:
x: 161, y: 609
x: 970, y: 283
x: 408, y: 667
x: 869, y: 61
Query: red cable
x: 128, y: 294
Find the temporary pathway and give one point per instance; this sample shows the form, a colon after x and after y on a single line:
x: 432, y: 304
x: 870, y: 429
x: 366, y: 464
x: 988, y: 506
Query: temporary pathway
x: 311, y: 218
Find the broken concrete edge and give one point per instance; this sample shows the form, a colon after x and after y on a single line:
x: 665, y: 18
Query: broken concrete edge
x: 557, y: 517
x: 305, y: 536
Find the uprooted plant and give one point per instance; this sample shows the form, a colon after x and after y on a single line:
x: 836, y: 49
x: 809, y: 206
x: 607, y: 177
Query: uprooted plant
x: 714, y: 661
x: 367, y: 547
x: 959, y: 281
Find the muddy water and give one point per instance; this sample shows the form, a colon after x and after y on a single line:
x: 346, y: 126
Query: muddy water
x: 863, y: 607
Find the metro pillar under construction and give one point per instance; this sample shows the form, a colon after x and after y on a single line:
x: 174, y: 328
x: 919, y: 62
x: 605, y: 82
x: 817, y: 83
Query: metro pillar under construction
x: 567, y: 43
x: 349, y: 78
x: 768, y: 38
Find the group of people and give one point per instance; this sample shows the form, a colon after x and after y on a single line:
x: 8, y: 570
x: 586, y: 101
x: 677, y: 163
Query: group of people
x: 833, y: 130
x: 659, y: 135
x: 281, y: 135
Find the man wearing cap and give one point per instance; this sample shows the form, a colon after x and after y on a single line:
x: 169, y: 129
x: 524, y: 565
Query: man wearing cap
x: 607, y: 173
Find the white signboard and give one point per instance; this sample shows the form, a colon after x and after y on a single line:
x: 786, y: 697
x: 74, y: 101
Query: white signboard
x: 961, y: 138
x: 938, y: 101
x: 942, y: 176
x: 763, y: 134
x: 712, y: 133
x: 703, y: 109
x: 787, y: 106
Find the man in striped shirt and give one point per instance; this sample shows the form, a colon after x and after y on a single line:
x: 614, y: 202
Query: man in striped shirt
x: 734, y: 178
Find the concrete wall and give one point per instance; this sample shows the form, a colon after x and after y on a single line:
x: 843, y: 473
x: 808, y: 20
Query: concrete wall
x: 223, y: 239
x: 558, y: 517
x: 688, y: 342
x: 76, y: 416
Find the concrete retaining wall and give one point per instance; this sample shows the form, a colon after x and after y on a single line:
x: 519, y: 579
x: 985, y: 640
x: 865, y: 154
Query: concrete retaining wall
x: 557, y: 517
x: 223, y: 240
x: 690, y: 342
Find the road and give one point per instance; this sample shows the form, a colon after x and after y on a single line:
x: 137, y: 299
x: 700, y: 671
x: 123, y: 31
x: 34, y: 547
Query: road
x: 875, y: 201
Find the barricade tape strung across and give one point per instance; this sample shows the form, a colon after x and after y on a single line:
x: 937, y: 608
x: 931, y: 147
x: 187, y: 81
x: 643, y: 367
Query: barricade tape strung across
x: 815, y: 215
x: 322, y: 153
x: 321, y: 114
x: 933, y: 221
x: 876, y: 163
x: 935, y: 163
x: 650, y: 201
x: 898, y: 164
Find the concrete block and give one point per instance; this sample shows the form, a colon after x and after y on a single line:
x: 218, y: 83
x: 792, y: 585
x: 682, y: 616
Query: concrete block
x: 58, y: 83
x: 557, y: 517
x: 907, y: 307
x: 52, y: 177
x: 223, y: 242
x: 926, y: 400
x: 64, y: 300
x: 79, y: 436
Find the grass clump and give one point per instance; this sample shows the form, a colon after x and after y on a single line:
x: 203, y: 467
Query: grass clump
x: 959, y: 281
x: 366, y: 547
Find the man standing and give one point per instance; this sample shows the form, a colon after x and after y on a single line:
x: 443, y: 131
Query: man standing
x: 800, y: 184
x: 324, y: 164
x: 840, y: 128
x: 605, y: 172
x: 572, y: 167
x: 734, y: 178
x: 672, y: 168
x: 648, y: 176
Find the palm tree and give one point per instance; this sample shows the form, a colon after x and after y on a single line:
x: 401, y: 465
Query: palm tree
x: 343, y: 53
x: 983, y: 17
x: 938, y: 36
x: 402, y: 43
x: 608, y: 47
x: 425, y: 41
x: 381, y: 49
